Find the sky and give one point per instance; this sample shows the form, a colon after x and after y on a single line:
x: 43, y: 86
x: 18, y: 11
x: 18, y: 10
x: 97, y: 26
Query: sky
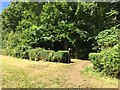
x: 3, y: 5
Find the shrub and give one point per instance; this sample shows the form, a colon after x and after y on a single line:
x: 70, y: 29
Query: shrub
x: 21, y: 51
x: 107, y: 61
x: 43, y: 55
x: 34, y: 53
x: 38, y: 54
x: 7, y: 51
x: 111, y: 62
x: 96, y: 60
x: 61, y: 56
x: 9, y: 42
x: 51, y: 53
x: 107, y: 38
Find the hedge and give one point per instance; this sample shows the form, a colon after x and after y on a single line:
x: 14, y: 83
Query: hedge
x: 61, y: 56
x: 38, y: 54
x: 20, y: 51
x: 49, y: 55
x: 96, y: 60
x: 111, y: 62
x: 107, y: 61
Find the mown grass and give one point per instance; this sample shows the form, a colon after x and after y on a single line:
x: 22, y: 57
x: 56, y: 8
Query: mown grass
x: 98, y: 80
x: 25, y: 73
x: 21, y: 73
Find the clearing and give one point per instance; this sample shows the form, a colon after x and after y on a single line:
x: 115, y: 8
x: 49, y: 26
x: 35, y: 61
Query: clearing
x: 21, y: 73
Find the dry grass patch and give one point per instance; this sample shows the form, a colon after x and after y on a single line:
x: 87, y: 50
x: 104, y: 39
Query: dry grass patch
x: 97, y: 80
x: 21, y: 73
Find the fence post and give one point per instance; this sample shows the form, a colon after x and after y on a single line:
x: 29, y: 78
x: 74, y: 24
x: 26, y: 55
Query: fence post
x: 69, y: 55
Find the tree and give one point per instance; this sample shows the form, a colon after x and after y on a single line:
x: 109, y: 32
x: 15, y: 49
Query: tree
x: 59, y: 25
x: 107, y: 38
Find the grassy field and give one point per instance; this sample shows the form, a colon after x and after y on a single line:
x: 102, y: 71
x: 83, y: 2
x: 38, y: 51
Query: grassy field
x: 20, y: 73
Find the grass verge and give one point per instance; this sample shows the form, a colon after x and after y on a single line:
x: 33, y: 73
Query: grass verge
x: 98, y: 80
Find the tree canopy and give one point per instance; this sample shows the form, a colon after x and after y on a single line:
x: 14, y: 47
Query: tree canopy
x: 59, y: 25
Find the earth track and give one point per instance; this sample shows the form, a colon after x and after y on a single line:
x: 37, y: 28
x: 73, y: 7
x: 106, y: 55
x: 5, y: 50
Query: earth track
x: 74, y: 76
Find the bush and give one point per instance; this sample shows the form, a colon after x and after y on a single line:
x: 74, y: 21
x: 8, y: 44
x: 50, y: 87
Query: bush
x: 96, y: 60
x: 111, y: 62
x: 43, y: 55
x: 32, y: 54
x: 7, y: 51
x: 51, y: 53
x: 38, y: 54
x: 21, y: 51
x: 107, y: 38
x: 107, y: 61
x: 10, y: 41
x: 61, y: 56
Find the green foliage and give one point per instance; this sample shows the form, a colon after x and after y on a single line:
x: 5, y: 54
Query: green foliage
x: 30, y: 36
x: 61, y: 23
x: 107, y: 61
x: 21, y: 51
x: 111, y: 61
x: 9, y: 43
x: 96, y: 60
x: 7, y: 52
x: 10, y: 40
x: 61, y: 56
x: 12, y: 46
x: 59, y: 26
x: 107, y: 38
x: 49, y: 55
x: 32, y: 54
x: 19, y: 15
x: 38, y: 54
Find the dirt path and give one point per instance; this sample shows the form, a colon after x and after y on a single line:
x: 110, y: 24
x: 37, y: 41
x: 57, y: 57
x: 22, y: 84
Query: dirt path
x: 74, y: 76
x: 31, y: 74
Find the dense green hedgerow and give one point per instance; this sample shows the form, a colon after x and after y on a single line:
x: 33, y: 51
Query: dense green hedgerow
x: 96, y: 60
x: 107, y: 61
x: 20, y: 51
x: 111, y: 61
x: 49, y: 55
x: 38, y: 54
x: 61, y: 56
x: 108, y: 38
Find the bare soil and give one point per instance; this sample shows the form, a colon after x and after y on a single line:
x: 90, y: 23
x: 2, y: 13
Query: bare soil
x: 74, y: 76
